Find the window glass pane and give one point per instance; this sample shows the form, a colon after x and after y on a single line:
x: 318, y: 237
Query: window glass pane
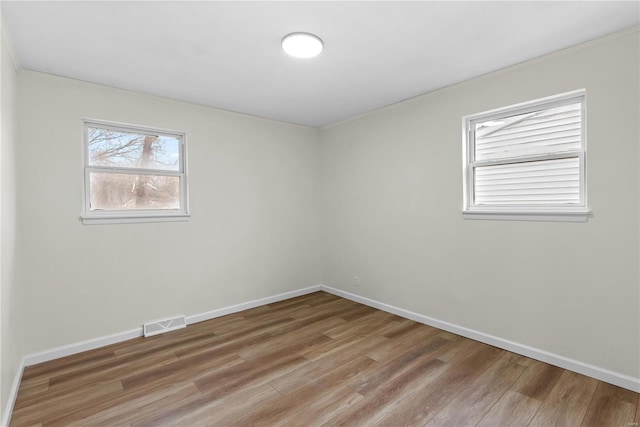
x: 109, y: 191
x: 108, y: 147
x: 550, y: 130
x: 546, y: 182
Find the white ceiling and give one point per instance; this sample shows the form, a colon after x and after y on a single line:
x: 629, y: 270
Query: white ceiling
x: 227, y: 54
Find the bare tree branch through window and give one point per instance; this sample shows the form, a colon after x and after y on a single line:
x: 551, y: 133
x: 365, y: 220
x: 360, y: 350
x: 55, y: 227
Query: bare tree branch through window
x: 131, y: 170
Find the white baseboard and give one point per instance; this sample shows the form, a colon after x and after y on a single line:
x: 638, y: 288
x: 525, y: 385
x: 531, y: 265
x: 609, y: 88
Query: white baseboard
x: 251, y: 304
x: 615, y: 378
x: 13, y: 393
x: 94, y: 343
x: 79, y: 347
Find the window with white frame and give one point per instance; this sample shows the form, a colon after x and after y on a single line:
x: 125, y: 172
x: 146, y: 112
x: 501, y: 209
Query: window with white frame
x: 527, y: 161
x: 133, y: 174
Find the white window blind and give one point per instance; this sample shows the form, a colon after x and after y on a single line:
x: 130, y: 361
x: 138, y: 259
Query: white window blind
x: 540, y: 132
x: 527, y: 159
x: 543, y: 182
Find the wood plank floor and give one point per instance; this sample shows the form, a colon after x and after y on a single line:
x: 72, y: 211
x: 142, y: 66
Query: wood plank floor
x: 311, y: 361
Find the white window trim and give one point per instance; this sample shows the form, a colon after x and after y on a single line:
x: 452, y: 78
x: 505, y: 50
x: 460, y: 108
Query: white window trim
x: 141, y: 215
x: 576, y: 213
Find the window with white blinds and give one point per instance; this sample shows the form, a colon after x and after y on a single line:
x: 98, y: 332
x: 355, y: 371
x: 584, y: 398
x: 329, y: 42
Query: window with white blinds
x: 527, y: 161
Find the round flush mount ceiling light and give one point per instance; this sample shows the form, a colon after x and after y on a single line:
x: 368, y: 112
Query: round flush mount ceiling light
x: 302, y: 45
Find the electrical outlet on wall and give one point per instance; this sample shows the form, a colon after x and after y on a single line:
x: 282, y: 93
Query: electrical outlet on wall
x: 356, y: 281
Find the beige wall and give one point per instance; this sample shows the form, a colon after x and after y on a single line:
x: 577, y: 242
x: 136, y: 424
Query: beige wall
x: 252, y: 234
x: 391, y: 214
x: 11, y: 302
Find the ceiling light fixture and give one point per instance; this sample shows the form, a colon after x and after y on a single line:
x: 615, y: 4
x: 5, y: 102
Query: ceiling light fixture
x: 302, y: 45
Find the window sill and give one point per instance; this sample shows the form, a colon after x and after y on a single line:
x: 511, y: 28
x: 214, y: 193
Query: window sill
x: 578, y: 216
x: 131, y: 219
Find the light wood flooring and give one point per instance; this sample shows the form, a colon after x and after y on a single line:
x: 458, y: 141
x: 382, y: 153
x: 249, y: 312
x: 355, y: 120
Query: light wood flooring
x: 310, y: 361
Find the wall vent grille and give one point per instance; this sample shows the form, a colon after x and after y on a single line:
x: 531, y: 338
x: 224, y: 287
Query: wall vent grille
x: 165, y: 325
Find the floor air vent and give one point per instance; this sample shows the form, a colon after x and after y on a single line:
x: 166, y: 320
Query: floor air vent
x: 166, y: 325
